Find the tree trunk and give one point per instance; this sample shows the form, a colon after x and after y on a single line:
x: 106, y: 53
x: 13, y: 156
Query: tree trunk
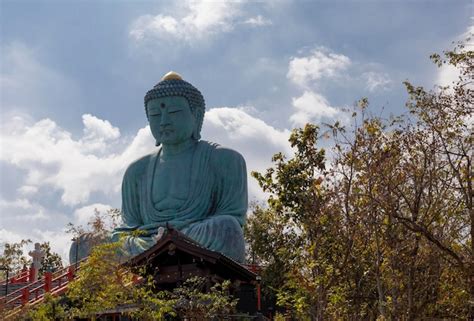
x: 470, y: 267
x: 381, y: 294
x: 411, y: 281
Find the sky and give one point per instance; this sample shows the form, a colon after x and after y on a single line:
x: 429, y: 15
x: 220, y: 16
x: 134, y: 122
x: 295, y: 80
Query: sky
x: 74, y: 73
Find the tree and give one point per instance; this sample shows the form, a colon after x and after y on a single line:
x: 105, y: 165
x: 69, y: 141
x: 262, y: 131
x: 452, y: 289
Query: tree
x: 51, y: 261
x: 299, y: 228
x: 96, y: 232
x: 446, y: 116
x: 99, y: 225
x: 13, y: 257
x: 384, y: 227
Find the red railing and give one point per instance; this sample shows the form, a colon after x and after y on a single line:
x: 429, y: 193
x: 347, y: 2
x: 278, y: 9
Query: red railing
x: 255, y: 268
x: 21, y: 277
x: 54, y: 283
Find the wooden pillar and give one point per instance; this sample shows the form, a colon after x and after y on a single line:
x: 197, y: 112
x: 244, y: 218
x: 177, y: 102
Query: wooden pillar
x: 25, y: 296
x: 259, y: 301
x: 48, y: 276
x: 32, y: 275
x: 70, y: 273
x: 135, y: 279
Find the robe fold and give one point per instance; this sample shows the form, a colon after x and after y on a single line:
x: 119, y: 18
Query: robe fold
x: 213, y: 213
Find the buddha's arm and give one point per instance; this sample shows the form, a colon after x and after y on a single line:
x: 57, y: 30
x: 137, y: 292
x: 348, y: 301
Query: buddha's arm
x: 131, y: 194
x: 231, y: 179
x: 221, y: 231
x: 131, y: 217
x: 133, y: 232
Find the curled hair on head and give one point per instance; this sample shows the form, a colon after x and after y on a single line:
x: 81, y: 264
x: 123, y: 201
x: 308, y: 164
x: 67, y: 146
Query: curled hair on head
x: 179, y: 87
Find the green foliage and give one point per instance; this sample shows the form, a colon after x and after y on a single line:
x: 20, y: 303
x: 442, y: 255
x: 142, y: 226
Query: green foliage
x: 194, y: 302
x: 101, y: 283
x: 50, y: 309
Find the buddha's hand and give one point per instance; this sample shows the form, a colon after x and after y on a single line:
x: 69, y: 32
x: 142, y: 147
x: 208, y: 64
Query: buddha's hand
x: 159, y: 234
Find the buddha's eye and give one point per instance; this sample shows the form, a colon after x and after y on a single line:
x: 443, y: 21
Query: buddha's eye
x: 174, y: 111
x: 154, y: 113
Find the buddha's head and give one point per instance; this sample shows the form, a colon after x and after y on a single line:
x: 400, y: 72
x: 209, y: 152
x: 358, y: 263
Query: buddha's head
x: 175, y: 110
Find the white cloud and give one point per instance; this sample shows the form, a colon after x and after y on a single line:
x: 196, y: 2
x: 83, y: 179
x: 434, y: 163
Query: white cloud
x: 200, y: 19
x: 448, y: 75
x: 19, y: 203
x: 27, y: 190
x: 22, y: 210
x: 319, y: 64
x: 258, y: 21
x: 50, y: 156
x: 311, y: 107
x: 95, y: 128
x: 305, y: 72
x: 98, y: 134
x: 375, y: 80
x: 8, y: 236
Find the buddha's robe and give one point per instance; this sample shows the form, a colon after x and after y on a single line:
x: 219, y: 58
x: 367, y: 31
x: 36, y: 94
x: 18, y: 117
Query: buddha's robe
x: 212, y: 214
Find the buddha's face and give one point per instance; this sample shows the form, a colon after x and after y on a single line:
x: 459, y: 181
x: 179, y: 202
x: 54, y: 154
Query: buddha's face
x: 171, y: 119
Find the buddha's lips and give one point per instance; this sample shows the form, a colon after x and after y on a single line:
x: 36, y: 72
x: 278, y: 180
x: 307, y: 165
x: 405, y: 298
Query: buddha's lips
x: 166, y: 131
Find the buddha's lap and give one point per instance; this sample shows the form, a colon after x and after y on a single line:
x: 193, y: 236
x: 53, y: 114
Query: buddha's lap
x: 221, y: 233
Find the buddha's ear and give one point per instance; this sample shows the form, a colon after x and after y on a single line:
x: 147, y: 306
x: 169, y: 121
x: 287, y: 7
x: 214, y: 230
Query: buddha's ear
x: 197, y: 120
x: 157, y: 143
x: 196, y: 132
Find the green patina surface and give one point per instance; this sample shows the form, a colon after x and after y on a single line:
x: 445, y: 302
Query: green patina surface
x: 198, y: 187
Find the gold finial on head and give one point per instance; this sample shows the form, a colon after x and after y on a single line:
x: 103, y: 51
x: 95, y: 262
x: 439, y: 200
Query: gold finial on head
x: 172, y: 76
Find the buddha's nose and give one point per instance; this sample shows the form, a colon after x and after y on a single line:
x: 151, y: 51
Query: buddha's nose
x: 165, y: 120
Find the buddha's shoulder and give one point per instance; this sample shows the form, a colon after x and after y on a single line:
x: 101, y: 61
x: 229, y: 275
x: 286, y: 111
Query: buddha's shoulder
x: 138, y: 166
x: 223, y: 155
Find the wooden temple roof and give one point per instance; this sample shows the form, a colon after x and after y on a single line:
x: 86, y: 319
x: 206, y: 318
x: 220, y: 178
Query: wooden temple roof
x: 175, y: 242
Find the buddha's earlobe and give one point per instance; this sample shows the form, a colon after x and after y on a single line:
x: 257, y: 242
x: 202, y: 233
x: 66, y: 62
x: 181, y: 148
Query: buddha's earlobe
x: 157, y: 143
x: 196, y: 134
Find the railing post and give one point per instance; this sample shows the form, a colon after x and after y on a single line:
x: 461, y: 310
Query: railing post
x: 135, y: 279
x: 259, y: 304
x: 25, y: 296
x: 32, y: 275
x: 24, y: 274
x: 70, y: 273
x: 48, y: 276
